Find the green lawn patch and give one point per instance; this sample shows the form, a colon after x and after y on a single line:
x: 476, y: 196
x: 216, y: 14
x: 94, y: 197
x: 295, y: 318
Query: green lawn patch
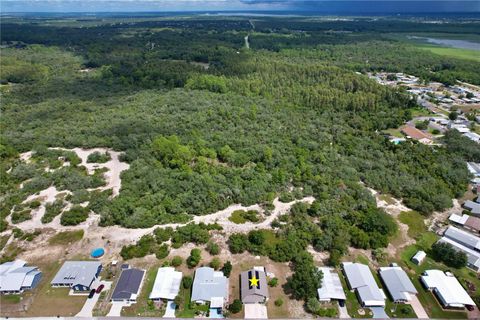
x: 415, y: 223
x: 454, y: 52
x: 189, y: 309
x: 242, y: 216
x: 395, y: 310
x: 144, y: 306
x: 11, y: 299
x: 66, y: 237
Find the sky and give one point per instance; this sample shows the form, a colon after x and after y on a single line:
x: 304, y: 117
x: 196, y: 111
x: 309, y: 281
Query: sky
x: 314, y: 6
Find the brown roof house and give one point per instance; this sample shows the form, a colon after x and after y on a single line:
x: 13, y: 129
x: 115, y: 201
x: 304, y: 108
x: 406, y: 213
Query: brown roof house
x: 254, y: 286
x: 416, y: 134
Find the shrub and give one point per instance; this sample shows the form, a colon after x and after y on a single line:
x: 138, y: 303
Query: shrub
x: 163, y: 234
x: 74, y: 216
x: 98, y: 157
x: 52, y: 210
x: 273, y: 282
x: 162, y: 252
x: 313, y: 305
x: 194, y: 259
x: 187, y: 282
x: 215, y: 263
x: 227, y: 269
x: 213, y: 248
x: 235, y: 306
x: 279, y: 302
x: 177, y: 261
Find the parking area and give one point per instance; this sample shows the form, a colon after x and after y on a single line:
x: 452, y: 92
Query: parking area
x: 255, y: 311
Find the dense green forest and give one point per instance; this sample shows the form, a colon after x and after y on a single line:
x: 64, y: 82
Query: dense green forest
x: 205, y: 123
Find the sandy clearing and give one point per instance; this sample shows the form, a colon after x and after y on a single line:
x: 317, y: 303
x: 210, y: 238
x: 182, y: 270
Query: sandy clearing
x: 115, y: 167
x: 26, y: 156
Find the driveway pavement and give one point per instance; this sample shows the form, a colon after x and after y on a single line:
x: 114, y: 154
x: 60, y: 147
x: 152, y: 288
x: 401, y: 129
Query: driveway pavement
x: 170, y: 310
x: 116, y: 309
x: 343, y: 313
x: 255, y: 311
x: 379, y: 313
x: 90, y: 303
x: 418, y: 308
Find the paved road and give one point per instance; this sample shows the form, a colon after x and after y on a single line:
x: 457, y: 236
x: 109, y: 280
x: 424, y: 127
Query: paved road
x: 418, y: 308
x: 90, y: 303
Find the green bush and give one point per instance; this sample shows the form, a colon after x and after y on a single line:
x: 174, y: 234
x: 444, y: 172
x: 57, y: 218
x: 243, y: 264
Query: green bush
x: 194, y: 259
x: 279, y: 302
x: 235, y: 306
x: 177, y: 261
x: 98, y: 157
x: 74, y: 216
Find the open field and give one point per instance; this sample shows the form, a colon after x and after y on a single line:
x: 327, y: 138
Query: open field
x: 453, y: 52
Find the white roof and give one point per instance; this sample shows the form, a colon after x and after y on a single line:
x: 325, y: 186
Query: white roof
x: 15, y: 275
x: 419, y: 256
x: 447, y: 287
x: 331, y: 286
x: 459, y: 219
x: 216, y: 302
x: 167, y: 284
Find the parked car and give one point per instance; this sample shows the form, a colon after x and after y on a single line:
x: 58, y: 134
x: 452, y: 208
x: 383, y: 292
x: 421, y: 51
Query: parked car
x: 92, y: 293
x: 470, y: 307
x: 100, y: 288
x: 341, y: 303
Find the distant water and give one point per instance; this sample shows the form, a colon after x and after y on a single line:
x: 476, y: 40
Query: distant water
x: 460, y: 44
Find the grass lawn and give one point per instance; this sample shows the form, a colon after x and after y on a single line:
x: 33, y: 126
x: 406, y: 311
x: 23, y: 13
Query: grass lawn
x: 420, y: 112
x: 48, y: 301
x: 394, y: 132
x: 399, y: 310
x: 453, y: 52
x: 189, y: 309
x: 66, y: 237
x: 426, y: 297
x: 242, y: 216
x: 415, y: 222
x: 11, y: 299
x: 144, y: 306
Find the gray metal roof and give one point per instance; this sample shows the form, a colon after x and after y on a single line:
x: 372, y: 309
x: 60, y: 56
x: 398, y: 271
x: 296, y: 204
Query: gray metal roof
x: 76, y: 273
x: 15, y: 275
x: 128, y: 284
x: 397, y: 282
x: 253, y: 293
x: 463, y: 237
x: 360, y: 278
x: 209, y: 284
x: 472, y: 206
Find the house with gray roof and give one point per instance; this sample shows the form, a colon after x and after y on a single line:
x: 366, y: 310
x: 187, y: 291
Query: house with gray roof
x: 473, y: 206
x: 128, y: 286
x: 78, y: 275
x: 463, y: 237
x: 360, y: 278
x: 398, y: 284
x: 16, y: 277
x: 210, y: 286
x: 253, y: 286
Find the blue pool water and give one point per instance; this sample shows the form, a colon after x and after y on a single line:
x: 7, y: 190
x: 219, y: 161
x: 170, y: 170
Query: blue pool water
x: 97, y: 253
